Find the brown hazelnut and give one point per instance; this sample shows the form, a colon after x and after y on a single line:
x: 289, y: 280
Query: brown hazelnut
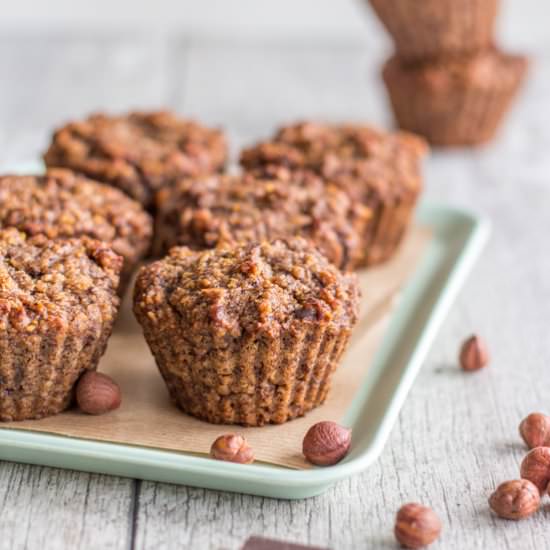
x: 515, y: 499
x: 473, y: 354
x: 416, y: 525
x: 326, y: 443
x: 535, y: 430
x: 536, y: 467
x: 97, y: 393
x: 232, y: 448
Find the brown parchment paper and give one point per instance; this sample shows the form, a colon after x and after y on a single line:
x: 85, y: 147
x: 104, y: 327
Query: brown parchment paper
x: 147, y: 417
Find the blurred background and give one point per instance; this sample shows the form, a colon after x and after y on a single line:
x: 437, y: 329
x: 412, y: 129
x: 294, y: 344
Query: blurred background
x: 521, y: 23
x: 247, y: 65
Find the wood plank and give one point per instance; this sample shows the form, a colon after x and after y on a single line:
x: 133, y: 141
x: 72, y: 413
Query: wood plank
x: 49, y: 508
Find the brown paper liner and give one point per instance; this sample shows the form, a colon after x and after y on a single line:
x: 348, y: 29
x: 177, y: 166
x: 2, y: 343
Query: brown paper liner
x: 39, y: 372
x: 428, y: 29
x: 462, y: 114
x: 266, y: 380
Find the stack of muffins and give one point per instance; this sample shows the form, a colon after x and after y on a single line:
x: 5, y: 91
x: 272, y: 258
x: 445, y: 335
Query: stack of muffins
x: 447, y: 81
x: 252, y: 302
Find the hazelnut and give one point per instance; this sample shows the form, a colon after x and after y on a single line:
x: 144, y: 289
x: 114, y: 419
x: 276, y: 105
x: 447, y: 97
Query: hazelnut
x: 535, y: 430
x: 97, y: 393
x: 473, y: 354
x: 232, y: 448
x: 326, y: 443
x: 416, y: 525
x: 536, y: 467
x: 515, y: 499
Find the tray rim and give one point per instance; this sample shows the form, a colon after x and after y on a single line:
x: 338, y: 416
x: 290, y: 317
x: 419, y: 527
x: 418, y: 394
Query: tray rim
x: 263, y: 479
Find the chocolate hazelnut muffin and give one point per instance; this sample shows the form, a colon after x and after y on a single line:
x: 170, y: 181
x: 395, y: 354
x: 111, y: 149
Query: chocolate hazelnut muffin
x: 249, y: 334
x: 428, y: 29
x: 62, y: 204
x: 139, y: 153
x: 459, y: 101
x: 379, y: 170
x: 219, y: 210
x: 58, y: 302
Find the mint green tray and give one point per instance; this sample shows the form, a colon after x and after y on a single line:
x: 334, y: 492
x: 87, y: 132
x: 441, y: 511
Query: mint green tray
x: 458, y: 238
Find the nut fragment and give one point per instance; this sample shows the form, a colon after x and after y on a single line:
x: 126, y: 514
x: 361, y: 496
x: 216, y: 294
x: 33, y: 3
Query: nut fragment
x: 535, y: 430
x: 326, y: 443
x: 97, y: 393
x: 536, y: 467
x: 515, y: 499
x: 416, y: 525
x: 232, y: 448
x: 473, y: 354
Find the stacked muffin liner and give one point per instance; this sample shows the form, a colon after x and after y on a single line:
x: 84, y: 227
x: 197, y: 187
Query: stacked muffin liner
x: 447, y: 80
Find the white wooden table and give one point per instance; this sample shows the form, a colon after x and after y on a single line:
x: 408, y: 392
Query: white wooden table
x: 457, y: 434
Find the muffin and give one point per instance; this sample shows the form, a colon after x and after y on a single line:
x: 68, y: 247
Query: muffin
x: 428, y: 29
x: 378, y: 170
x: 58, y: 302
x: 62, y: 204
x: 139, y: 153
x: 249, y: 334
x: 204, y: 213
x: 460, y: 101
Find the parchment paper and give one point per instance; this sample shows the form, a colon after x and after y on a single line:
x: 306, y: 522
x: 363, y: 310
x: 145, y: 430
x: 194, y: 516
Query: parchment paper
x: 147, y: 417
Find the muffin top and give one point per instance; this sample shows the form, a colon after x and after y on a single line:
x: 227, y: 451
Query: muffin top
x: 489, y: 69
x: 360, y: 159
x: 62, y: 204
x: 138, y: 152
x: 224, y: 210
x: 250, y: 287
x: 50, y: 284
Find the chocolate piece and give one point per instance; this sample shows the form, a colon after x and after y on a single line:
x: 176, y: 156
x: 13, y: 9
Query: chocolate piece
x: 261, y: 543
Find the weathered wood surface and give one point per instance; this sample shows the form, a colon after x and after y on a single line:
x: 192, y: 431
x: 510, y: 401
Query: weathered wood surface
x: 457, y: 434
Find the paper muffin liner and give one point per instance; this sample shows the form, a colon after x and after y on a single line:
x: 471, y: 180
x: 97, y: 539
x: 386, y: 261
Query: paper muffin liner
x: 466, y: 114
x: 437, y: 28
x: 38, y: 372
x: 259, y: 380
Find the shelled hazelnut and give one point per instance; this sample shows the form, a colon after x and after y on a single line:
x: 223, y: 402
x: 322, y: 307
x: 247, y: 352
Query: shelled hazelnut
x: 232, y: 448
x: 326, y: 443
x: 416, y: 525
x: 536, y: 467
x: 515, y: 499
x: 535, y: 430
x: 473, y: 354
x: 97, y: 393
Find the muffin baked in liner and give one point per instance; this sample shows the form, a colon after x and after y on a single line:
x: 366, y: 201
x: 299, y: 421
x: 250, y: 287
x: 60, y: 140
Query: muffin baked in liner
x: 250, y: 334
x: 219, y: 210
x: 378, y: 170
x: 140, y: 152
x: 62, y: 204
x: 58, y: 302
x: 457, y: 101
x: 429, y: 29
